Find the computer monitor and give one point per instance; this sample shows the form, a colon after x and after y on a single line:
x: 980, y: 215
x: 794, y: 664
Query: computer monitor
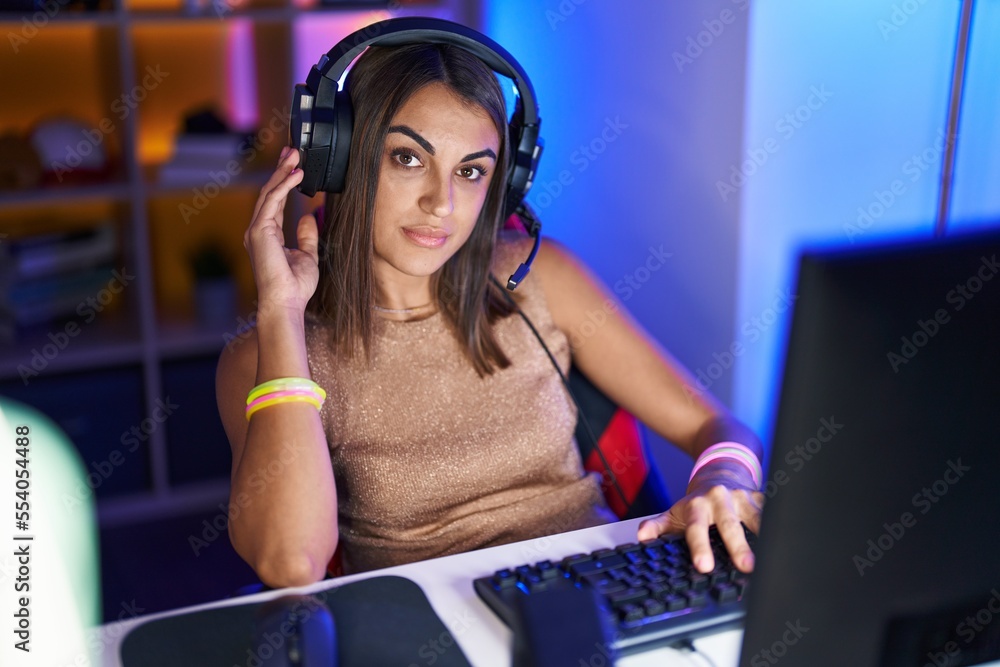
x: 879, y: 537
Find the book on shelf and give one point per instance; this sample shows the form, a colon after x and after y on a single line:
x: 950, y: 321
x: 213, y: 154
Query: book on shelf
x: 46, y: 277
x: 30, y: 302
x: 49, y: 254
x: 198, y: 155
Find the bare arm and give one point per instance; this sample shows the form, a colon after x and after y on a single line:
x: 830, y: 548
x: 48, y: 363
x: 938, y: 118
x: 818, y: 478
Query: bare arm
x: 622, y: 360
x: 282, y: 479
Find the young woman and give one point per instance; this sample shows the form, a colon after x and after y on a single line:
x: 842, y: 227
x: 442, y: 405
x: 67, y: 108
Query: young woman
x: 445, y: 427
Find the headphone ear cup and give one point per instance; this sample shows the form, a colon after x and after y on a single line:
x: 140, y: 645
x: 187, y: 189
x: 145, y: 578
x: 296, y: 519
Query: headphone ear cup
x: 340, y: 147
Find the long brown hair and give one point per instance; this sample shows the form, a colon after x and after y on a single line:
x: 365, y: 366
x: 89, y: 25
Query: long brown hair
x: 379, y: 84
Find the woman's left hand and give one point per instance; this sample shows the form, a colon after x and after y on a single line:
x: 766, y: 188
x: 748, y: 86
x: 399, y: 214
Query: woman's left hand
x: 711, y: 500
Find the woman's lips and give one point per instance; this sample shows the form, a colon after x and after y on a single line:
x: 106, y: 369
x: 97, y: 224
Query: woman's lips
x: 426, y: 237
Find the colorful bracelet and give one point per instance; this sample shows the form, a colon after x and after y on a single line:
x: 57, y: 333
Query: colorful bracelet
x: 733, y: 451
x: 279, y: 384
x: 284, y: 390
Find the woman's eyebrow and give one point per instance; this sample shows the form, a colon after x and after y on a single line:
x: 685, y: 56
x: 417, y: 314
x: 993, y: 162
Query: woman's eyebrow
x: 426, y: 145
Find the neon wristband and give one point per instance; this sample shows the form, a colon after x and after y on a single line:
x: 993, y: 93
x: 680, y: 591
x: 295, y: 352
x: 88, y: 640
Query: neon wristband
x: 748, y: 458
x: 280, y: 384
x: 733, y: 451
x: 723, y: 455
x: 278, y: 400
x: 288, y: 392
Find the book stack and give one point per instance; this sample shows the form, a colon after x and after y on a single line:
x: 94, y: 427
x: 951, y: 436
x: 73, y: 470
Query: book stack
x: 197, y: 155
x: 46, y: 277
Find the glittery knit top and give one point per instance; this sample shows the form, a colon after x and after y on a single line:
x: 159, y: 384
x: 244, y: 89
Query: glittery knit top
x: 429, y: 459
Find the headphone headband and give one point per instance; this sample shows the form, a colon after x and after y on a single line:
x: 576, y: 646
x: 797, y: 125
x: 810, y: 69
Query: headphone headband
x: 424, y: 30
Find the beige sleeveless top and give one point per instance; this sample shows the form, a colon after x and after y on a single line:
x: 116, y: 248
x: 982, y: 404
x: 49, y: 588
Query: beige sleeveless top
x: 430, y: 459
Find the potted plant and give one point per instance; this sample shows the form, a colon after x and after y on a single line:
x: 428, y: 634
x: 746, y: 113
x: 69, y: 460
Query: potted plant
x: 214, y: 286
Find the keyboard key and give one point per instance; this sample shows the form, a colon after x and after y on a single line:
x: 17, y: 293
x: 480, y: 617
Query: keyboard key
x: 547, y: 570
x: 654, y: 576
x: 697, y: 598
x: 574, y: 559
x: 654, y: 607
x: 674, y: 602
x: 629, y: 595
x: 654, y: 554
x: 658, y: 589
x: 602, y: 581
x: 679, y: 584
x: 612, y: 560
x: 534, y: 582
x: 504, y: 579
x: 725, y: 593
x: 699, y: 582
x: 636, y: 557
x: 630, y: 612
x: 626, y: 548
x: 580, y: 570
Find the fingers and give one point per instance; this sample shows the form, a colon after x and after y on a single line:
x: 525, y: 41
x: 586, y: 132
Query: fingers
x: 731, y: 509
x: 271, y: 205
x: 307, y: 234
x: 699, y: 513
x: 731, y: 532
x: 727, y: 509
x: 658, y: 525
x: 286, y: 163
x: 755, y: 504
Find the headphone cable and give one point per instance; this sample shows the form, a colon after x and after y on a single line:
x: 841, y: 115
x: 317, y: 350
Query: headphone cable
x: 582, y: 418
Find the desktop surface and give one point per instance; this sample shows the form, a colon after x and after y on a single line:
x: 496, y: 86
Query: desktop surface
x: 447, y: 582
x: 482, y: 636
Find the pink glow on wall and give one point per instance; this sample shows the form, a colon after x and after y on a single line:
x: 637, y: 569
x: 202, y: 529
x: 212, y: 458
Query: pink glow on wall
x: 316, y: 34
x: 241, y: 98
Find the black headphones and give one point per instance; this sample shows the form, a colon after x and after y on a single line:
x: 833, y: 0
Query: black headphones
x: 322, y: 118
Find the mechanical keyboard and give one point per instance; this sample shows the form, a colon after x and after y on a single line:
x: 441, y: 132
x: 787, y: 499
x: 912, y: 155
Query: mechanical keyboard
x: 652, y: 593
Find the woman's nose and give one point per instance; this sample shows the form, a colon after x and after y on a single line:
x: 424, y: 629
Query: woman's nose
x: 437, y: 200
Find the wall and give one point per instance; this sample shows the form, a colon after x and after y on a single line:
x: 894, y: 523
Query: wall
x: 862, y: 164
x: 640, y: 120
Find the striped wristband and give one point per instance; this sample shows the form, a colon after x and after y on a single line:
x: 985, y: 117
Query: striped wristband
x: 733, y: 451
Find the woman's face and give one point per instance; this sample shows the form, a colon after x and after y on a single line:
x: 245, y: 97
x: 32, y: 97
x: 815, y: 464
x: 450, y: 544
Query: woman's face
x: 437, y: 164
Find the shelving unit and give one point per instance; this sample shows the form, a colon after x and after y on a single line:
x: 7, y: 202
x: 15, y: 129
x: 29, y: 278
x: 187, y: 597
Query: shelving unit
x: 139, y: 66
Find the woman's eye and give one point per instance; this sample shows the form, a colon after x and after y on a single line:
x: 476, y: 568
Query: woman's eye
x: 472, y: 172
x: 406, y: 159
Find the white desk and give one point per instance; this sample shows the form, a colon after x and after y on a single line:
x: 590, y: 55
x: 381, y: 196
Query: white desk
x: 447, y: 582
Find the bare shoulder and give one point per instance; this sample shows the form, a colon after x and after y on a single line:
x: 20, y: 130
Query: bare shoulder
x: 569, y: 286
x: 558, y: 265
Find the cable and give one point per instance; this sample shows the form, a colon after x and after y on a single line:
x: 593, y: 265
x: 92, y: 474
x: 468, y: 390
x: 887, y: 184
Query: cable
x: 579, y: 412
x: 954, y: 110
x: 688, y: 645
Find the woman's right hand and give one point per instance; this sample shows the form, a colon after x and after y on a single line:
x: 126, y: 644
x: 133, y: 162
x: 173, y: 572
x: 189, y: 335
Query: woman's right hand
x: 286, y: 278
